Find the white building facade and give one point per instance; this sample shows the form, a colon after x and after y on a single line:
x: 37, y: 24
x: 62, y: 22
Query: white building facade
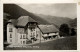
x: 22, y: 34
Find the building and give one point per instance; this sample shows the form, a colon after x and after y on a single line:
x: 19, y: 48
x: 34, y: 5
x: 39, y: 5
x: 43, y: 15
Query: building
x: 25, y: 28
x: 49, y: 31
x: 18, y: 30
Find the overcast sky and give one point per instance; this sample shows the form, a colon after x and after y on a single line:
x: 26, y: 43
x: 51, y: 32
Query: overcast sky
x: 61, y: 10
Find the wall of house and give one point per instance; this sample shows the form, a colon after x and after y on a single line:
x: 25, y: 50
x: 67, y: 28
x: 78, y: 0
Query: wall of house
x: 51, y: 34
x: 16, y: 36
x: 31, y: 33
x: 39, y: 33
x: 56, y: 35
x: 11, y: 31
x: 22, y: 39
x: 22, y: 36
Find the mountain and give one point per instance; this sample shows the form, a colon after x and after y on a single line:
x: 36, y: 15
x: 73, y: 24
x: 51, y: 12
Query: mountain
x: 16, y: 11
x: 55, y: 20
x: 73, y: 23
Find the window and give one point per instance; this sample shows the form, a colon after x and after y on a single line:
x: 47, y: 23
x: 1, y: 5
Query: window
x: 21, y: 37
x: 10, y: 35
x: 10, y: 29
x: 10, y: 40
x: 31, y: 35
x: 37, y: 35
x: 23, y: 42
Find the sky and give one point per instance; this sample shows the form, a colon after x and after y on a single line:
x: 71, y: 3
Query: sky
x: 58, y: 9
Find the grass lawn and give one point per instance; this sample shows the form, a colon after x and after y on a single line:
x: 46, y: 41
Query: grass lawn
x: 68, y: 43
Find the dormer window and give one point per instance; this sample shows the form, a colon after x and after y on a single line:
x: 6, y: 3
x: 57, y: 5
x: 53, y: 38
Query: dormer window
x: 10, y: 29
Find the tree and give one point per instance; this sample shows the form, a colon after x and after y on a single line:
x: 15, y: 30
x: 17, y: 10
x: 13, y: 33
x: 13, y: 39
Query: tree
x: 64, y: 30
x: 73, y: 32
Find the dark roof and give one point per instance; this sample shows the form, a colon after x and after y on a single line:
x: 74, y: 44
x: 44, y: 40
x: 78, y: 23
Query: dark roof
x: 21, y: 21
x: 48, y: 28
x: 13, y: 21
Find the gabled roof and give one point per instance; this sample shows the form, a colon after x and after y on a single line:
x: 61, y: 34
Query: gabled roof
x: 13, y: 21
x: 22, y: 21
x: 48, y: 28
